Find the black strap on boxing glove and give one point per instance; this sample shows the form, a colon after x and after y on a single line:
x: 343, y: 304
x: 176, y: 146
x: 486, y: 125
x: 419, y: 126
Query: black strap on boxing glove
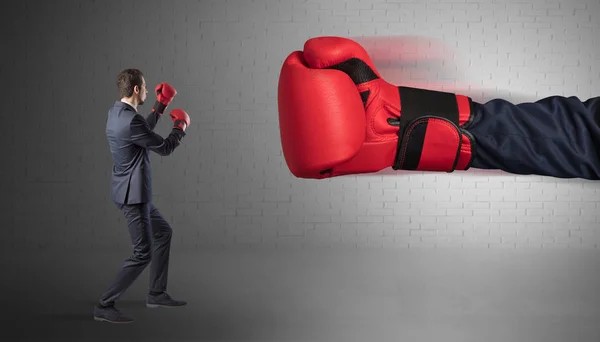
x: 159, y: 107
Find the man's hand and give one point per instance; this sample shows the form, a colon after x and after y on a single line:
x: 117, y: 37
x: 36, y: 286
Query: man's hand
x: 181, y: 119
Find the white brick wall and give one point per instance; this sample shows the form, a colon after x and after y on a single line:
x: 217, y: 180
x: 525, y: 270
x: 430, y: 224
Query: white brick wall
x: 228, y: 185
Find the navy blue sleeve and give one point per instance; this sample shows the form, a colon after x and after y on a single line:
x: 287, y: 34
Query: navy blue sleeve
x: 556, y: 136
x: 152, y: 120
x: 143, y: 136
x: 153, y: 117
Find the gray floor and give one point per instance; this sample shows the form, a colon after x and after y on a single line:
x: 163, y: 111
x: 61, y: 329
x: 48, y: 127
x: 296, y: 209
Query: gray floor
x: 315, y: 295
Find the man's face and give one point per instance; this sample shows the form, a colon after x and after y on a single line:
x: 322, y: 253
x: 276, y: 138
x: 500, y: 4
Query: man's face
x: 142, y: 93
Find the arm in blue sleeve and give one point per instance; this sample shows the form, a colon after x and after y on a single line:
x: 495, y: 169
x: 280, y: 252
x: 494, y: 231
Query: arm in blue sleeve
x: 143, y: 135
x: 153, y: 117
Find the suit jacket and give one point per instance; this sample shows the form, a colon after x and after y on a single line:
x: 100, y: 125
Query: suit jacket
x: 131, y: 137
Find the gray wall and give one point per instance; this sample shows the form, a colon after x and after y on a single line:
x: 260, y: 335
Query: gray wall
x: 227, y: 185
x: 522, y: 263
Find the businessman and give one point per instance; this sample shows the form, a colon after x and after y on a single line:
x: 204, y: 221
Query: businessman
x: 131, y: 138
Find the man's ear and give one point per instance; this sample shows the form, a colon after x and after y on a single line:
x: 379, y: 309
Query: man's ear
x: 136, y: 89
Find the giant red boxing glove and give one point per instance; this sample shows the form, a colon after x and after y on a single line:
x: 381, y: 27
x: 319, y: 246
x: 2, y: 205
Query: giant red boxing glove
x: 338, y: 116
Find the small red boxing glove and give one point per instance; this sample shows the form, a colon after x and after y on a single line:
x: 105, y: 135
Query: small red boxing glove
x: 181, y: 119
x: 164, y: 95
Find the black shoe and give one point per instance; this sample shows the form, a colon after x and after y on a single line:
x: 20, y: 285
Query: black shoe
x: 163, y: 300
x: 110, y: 314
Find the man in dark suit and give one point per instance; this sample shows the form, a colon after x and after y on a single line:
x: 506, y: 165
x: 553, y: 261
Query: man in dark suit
x: 131, y: 137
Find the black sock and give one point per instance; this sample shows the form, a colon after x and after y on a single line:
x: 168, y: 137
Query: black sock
x: 153, y: 293
x: 103, y: 306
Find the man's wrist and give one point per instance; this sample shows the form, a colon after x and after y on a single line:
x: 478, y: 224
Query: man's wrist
x: 178, y: 132
x: 159, y: 107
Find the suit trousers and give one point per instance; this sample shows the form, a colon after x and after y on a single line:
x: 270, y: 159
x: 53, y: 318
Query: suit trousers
x: 151, y: 241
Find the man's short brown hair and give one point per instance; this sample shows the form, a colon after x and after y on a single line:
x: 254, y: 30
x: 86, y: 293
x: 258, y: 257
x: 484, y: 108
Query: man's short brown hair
x: 127, y: 79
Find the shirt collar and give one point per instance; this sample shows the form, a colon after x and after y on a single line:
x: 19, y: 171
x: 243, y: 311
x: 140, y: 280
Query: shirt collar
x: 129, y: 103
